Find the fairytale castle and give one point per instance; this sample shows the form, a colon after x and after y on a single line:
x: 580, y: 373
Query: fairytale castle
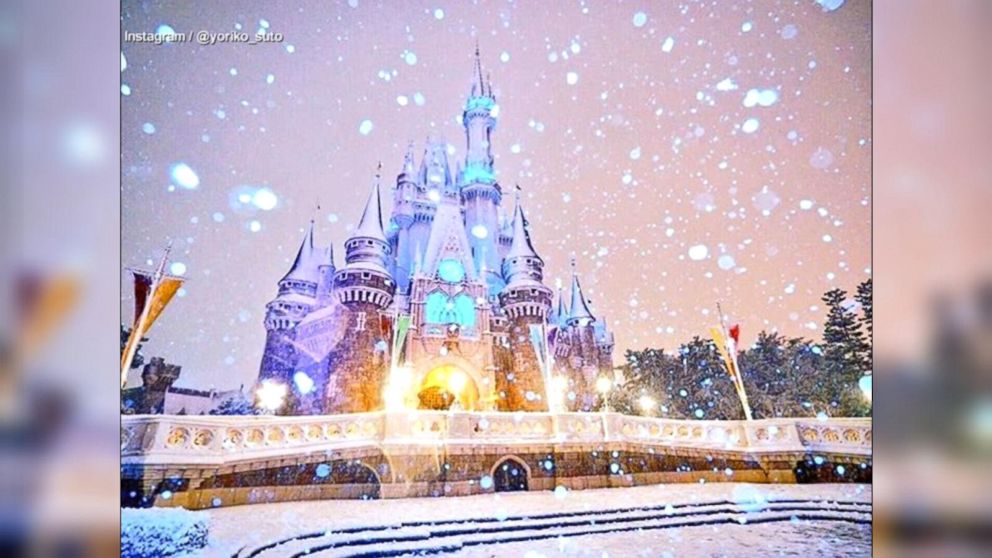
x: 444, y: 307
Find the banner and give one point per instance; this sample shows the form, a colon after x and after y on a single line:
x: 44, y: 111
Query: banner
x: 399, y: 338
x: 538, y: 341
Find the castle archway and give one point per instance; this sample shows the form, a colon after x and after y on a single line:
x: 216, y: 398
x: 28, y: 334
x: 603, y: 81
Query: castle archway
x: 448, y: 385
x: 510, y: 474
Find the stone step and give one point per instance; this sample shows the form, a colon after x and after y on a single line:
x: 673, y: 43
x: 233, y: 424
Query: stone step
x: 419, y: 531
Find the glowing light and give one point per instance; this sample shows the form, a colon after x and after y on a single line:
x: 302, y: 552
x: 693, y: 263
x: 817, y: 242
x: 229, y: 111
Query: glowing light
x: 457, y: 382
x: 647, y: 404
x: 603, y: 384
x: 271, y: 395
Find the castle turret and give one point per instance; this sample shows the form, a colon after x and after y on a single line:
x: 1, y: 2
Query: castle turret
x: 326, y: 274
x: 580, y: 356
x: 296, y: 298
x: 364, y: 288
x: 526, y: 303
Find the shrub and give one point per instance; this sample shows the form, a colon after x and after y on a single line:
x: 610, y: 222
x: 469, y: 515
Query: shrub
x: 161, y: 532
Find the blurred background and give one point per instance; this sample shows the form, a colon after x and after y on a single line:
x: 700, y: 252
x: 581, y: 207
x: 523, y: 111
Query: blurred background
x: 933, y: 275
x: 59, y: 336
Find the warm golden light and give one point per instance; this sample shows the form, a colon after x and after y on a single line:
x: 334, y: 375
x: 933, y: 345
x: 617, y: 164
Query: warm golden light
x: 271, y: 395
x: 453, y: 380
x: 456, y: 382
x: 556, y: 392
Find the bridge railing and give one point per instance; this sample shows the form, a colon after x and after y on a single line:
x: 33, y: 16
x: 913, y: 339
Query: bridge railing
x: 165, y: 439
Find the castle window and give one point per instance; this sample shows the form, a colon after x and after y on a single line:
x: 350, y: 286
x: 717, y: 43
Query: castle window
x: 366, y: 275
x: 360, y: 319
x: 450, y: 271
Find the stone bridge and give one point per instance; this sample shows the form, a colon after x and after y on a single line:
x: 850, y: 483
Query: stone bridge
x: 209, y: 461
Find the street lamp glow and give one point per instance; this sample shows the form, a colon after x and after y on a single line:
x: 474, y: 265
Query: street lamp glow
x: 603, y: 385
x: 556, y: 392
x: 647, y: 403
x: 271, y: 395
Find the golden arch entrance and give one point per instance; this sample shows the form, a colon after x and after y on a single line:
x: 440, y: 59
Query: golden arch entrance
x: 448, y: 386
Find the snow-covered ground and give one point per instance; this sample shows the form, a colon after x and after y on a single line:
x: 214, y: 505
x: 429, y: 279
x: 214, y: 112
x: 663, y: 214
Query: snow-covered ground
x: 251, y: 526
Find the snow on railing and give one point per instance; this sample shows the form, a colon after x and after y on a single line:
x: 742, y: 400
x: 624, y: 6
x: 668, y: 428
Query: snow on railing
x: 152, y: 439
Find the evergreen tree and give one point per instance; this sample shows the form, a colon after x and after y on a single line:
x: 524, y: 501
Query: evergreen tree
x: 846, y: 356
x: 864, y: 299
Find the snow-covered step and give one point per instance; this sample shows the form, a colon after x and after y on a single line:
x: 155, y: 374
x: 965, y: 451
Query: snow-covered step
x: 339, y: 538
x: 411, y: 532
x: 441, y: 544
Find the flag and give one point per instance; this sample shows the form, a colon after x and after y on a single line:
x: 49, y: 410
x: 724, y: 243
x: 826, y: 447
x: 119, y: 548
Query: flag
x: 151, y: 303
x: 152, y: 292
x: 728, y: 353
x: 399, y: 337
x: 735, y: 333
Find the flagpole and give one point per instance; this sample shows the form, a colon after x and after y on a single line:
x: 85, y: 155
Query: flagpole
x: 137, y: 330
x: 730, y: 354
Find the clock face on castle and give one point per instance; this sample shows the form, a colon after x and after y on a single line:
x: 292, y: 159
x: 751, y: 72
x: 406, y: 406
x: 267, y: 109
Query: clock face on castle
x: 439, y: 287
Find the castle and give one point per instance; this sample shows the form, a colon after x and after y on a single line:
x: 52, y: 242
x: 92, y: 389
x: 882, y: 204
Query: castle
x: 445, y: 307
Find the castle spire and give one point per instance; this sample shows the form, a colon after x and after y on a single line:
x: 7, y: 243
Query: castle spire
x: 370, y: 225
x: 305, y: 265
x: 561, y: 316
x: 478, y: 81
x: 408, y: 164
x: 520, y: 247
x: 580, y: 310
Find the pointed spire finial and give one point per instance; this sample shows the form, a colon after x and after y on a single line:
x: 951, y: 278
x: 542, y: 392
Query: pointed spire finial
x: 478, y: 71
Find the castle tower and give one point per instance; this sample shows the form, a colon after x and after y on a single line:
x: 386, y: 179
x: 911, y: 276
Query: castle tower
x: 364, y: 287
x: 583, y: 361
x: 296, y: 298
x: 481, y: 193
x: 526, y: 302
x: 326, y: 274
x: 404, y: 213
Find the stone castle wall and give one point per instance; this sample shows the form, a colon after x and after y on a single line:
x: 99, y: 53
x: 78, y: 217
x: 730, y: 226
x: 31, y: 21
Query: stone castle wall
x: 202, y: 462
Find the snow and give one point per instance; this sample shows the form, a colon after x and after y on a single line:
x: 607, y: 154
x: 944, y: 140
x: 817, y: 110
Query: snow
x: 572, y: 78
x: 365, y: 128
x: 698, y: 252
x: 184, y: 176
x: 750, y: 126
x: 234, y: 527
x: 640, y: 18
x: 668, y: 45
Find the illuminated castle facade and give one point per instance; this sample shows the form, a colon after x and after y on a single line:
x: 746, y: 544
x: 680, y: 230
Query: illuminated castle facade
x: 444, y: 307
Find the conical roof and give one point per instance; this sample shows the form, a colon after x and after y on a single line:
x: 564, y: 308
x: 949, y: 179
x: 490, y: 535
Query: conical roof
x: 580, y: 310
x: 370, y: 226
x: 520, y: 247
x: 305, y: 265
